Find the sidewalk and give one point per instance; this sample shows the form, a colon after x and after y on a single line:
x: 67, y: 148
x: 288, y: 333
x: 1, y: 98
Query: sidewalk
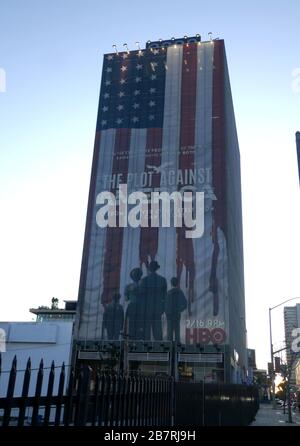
x: 267, y: 416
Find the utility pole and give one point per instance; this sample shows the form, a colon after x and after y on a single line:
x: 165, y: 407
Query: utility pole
x: 272, y: 362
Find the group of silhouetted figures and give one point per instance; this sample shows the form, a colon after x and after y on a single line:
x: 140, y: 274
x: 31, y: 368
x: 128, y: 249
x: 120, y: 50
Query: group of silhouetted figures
x: 148, y: 299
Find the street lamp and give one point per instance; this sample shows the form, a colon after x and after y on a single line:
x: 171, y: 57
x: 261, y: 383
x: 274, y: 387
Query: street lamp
x: 271, y: 345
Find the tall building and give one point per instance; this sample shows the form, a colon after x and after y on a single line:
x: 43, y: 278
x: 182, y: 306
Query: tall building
x: 291, y: 321
x: 165, y: 125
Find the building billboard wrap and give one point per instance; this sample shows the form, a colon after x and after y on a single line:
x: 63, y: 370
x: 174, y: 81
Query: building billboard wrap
x: 155, y: 252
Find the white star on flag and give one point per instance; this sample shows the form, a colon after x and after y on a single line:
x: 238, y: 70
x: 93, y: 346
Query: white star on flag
x: 138, y: 79
x: 125, y: 55
x: 151, y: 117
x: 153, y: 77
x: 105, y: 108
x: 155, y: 52
x: 121, y: 94
x: 136, y: 92
x: 107, y: 83
x: 106, y: 95
x: 122, y: 81
x: 135, y: 119
x: 152, y: 90
x: 103, y: 122
x: 139, y: 66
x: 140, y: 53
x: 108, y: 70
x: 120, y: 107
x: 119, y: 121
x: 135, y: 105
x: 152, y: 103
x: 110, y: 57
x: 123, y: 68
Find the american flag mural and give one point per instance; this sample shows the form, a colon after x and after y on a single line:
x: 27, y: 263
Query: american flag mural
x: 160, y: 127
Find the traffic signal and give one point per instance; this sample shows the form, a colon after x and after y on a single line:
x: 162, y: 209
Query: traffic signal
x: 277, y: 364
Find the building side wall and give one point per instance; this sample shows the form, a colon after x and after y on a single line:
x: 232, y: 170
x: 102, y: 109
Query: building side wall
x: 234, y: 230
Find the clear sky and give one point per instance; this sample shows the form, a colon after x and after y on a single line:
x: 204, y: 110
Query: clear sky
x: 51, y: 52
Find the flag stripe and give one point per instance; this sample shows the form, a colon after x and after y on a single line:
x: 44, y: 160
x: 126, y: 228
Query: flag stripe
x: 114, y: 236
x: 185, y: 249
x: 131, y: 237
x: 166, y: 254
x: 203, y: 158
x: 149, y: 236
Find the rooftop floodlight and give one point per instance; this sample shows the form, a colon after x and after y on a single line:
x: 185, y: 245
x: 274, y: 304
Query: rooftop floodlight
x: 138, y: 45
x: 210, y: 36
x: 185, y: 37
x: 149, y: 41
x: 115, y: 48
x: 126, y: 47
x: 173, y: 39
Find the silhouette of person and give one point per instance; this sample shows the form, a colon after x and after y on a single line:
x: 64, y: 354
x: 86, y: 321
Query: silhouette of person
x: 153, y: 289
x: 113, y: 318
x: 133, y: 312
x: 175, y: 303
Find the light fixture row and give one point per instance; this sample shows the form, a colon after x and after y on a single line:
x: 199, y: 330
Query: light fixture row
x: 173, y: 40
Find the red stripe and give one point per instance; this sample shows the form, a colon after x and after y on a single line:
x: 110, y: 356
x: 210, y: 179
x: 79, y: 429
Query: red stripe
x: 89, y: 221
x: 114, y: 236
x: 185, y: 249
x: 149, y: 236
x: 218, y: 164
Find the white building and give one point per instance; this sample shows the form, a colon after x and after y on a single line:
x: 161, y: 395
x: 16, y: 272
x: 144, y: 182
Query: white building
x: 291, y: 321
x: 50, y: 341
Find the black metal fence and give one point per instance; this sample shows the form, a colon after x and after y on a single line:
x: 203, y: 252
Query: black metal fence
x: 215, y: 404
x: 101, y: 399
x: 91, y: 398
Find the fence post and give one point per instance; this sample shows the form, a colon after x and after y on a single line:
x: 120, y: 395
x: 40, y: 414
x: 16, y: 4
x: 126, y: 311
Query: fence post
x: 139, y: 399
x: 37, y: 396
x: 96, y: 399
x: 118, y: 400
x: 101, y: 399
x: 83, y: 396
x: 25, y: 389
x: 60, y: 395
x: 68, y: 411
x: 123, y: 399
x: 134, y: 402
x: 49, y: 395
x: 10, y: 392
x: 106, y: 399
x: 112, y: 397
